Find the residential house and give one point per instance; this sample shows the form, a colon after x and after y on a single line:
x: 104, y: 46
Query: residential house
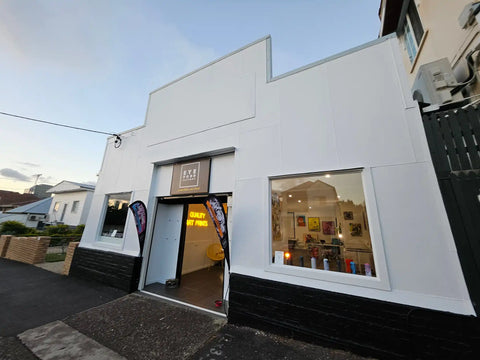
x: 71, y: 203
x: 33, y: 215
x: 337, y: 229
x: 10, y: 199
x: 440, y: 45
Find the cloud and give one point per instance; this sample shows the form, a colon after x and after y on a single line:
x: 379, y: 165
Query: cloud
x: 14, y: 175
x: 29, y: 164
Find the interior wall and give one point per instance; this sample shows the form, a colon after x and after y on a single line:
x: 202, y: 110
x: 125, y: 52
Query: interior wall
x: 199, y: 236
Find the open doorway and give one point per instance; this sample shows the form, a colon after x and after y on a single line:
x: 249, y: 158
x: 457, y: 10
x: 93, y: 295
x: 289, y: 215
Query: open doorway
x: 186, y: 261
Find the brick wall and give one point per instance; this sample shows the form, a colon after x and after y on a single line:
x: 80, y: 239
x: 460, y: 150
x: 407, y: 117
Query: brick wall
x: 69, y: 256
x: 365, y: 326
x: 4, y: 242
x: 114, y: 269
x: 30, y: 250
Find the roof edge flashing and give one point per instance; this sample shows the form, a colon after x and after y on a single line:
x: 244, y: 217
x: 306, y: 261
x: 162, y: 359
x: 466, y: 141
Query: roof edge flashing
x: 265, y: 38
x: 336, y: 56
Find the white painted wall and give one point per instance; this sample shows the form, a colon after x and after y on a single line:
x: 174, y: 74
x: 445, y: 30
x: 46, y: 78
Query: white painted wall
x: 22, y: 218
x: 71, y: 218
x: 345, y: 112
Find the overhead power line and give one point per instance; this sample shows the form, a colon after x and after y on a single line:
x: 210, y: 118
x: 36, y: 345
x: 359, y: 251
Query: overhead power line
x: 118, y: 140
x: 56, y: 124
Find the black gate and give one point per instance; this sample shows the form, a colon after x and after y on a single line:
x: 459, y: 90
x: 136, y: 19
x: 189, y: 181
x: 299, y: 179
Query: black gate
x: 454, y: 141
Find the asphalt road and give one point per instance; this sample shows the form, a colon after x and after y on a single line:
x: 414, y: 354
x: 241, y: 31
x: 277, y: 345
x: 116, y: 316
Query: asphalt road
x: 31, y: 296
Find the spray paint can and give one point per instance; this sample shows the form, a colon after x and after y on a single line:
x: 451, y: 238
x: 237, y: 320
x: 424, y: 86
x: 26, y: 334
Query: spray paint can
x: 325, y: 264
x: 313, y: 261
x: 368, y: 269
x: 352, y: 266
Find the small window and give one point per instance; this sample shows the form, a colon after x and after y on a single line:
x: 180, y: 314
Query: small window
x: 320, y: 222
x: 115, y: 217
x: 75, y: 206
x: 56, y: 207
x: 413, y: 31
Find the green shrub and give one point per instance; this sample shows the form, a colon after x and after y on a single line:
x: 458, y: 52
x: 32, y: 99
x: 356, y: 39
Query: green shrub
x: 79, y: 230
x: 57, y: 230
x: 14, y: 228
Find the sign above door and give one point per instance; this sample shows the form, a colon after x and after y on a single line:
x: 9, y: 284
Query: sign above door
x: 192, y: 177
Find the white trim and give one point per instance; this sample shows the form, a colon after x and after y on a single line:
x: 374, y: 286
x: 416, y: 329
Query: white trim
x: 335, y: 56
x: 380, y: 281
x: 213, y: 62
x: 102, y: 241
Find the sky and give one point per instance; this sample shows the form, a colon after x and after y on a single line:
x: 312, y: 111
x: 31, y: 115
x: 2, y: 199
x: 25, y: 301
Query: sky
x: 93, y: 63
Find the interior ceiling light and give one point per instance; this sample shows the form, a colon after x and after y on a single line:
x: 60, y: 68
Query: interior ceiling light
x: 299, y: 201
x: 327, y: 176
x: 289, y: 195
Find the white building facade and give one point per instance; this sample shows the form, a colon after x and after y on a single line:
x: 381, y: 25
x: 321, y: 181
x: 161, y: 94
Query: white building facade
x: 343, y: 139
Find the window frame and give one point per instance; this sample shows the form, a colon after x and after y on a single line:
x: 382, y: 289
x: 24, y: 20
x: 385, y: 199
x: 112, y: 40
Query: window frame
x: 412, y: 38
x: 380, y: 281
x: 74, y: 209
x: 108, y: 241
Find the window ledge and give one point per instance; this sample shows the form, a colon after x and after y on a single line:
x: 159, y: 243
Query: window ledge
x: 331, y: 276
x: 106, y: 241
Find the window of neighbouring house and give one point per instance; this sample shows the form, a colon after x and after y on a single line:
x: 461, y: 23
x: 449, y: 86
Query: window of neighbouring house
x: 320, y: 222
x: 75, y: 206
x: 413, y: 31
x: 115, y: 217
x: 56, y: 206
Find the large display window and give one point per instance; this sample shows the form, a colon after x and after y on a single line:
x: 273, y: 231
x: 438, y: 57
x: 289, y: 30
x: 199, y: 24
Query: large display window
x: 320, y: 222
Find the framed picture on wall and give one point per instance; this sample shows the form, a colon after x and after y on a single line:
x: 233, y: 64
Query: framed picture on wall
x: 348, y: 215
x: 310, y: 238
x: 328, y: 227
x: 301, y: 220
x: 355, y: 229
x: 313, y: 224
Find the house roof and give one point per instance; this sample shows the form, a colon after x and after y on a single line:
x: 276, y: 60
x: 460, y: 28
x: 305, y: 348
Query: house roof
x: 38, y: 207
x: 15, y: 199
x: 70, y: 186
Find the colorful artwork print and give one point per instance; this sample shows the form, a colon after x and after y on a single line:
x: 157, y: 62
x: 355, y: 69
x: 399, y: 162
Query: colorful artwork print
x: 301, y: 220
x: 309, y: 238
x: 313, y: 224
x: 328, y: 227
x: 355, y: 229
x: 348, y: 215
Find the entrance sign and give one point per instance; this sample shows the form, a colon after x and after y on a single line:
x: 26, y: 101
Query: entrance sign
x: 191, y: 177
x: 140, y: 214
x: 215, y: 209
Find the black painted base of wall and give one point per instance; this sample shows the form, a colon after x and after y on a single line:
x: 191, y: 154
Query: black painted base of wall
x: 117, y: 270
x: 361, y: 325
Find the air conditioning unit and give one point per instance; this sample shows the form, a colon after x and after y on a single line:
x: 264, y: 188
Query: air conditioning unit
x: 434, y: 82
x: 468, y: 15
